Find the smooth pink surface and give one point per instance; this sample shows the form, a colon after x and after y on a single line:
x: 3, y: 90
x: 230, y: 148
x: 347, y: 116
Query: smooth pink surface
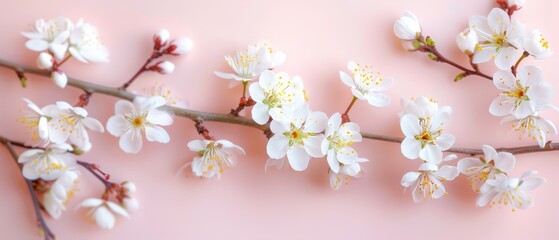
x: 319, y: 38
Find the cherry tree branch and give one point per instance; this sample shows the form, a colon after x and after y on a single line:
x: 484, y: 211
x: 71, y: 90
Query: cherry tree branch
x: 198, y: 116
x: 440, y: 58
x: 42, y: 224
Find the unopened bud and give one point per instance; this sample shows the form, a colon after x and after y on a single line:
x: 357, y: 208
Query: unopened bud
x: 59, y: 78
x: 131, y: 204
x: 163, y: 67
x: 45, y: 61
x: 160, y: 39
x: 467, y: 41
x: 180, y: 46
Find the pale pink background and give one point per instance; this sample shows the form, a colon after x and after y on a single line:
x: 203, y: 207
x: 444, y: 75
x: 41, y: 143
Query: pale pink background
x: 319, y: 38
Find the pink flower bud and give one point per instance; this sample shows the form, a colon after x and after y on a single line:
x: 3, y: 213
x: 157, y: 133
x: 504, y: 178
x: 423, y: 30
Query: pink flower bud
x: 45, y: 61
x: 163, y: 67
x: 180, y: 46
x: 161, y: 38
x: 59, y: 78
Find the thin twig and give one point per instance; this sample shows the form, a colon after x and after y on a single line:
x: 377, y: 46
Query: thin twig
x: 42, y: 224
x: 227, y: 118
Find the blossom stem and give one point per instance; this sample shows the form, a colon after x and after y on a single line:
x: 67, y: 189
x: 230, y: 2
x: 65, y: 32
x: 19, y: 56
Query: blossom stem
x: 202, y: 130
x: 42, y: 224
x: 345, y: 115
x: 92, y: 168
x: 243, y: 102
x: 199, y: 116
x: 84, y: 99
x: 440, y: 58
x: 515, y: 67
x: 154, y: 55
x: 62, y: 62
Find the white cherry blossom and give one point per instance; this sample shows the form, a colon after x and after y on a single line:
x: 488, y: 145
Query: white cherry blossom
x: 275, y: 95
x: 533, y: 126
x: 72, y: 123
x: 499, y: 38
x: 167, y: 93
x: 247, y: 64
x: 522, y: 95
x: 299, y: 137
x: 424, y: 134
x: 421, y: 107
x: 274, y: 59
x: 491, y: 166
x: 428, y: 182
x: 47, y: 164
x: 102, y: 211
x: 336, y: 144
x: 346, y: 171
x: 214, y: 157
x: 50, y: 35
x: 133, y: 119
x: 511, y: 191
x: 62, y: 190
x: 536, y: 45
x: 85, y: 44
x: 407, y: 27
x: 367, y: 84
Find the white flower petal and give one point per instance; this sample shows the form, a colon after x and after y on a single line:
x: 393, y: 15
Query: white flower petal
x: 93, y: 124
x: 431, y: 153
x: 377, y: 99
x: 256, y: 92
x: 410, y: 148
x: 117, y: 209
x: 298, y: 158
x: 37, y: 45
x: 498, y: 20
x: 91, y: 202
x: 116, y: 125
x: 312, y: 145
x: 410, y: 125
x: 507, y: 57
x: 260, y: 113
x: 123, y: 107
x: 277, y: 146
x: 469, y: 166
x: 157, y: 134
x: 445, y: 141
x: 159, y: 117
x: 316, y: 122
x: 447, y: 173
x: 333, y: 161
x: 346, y: 79
x: 505, y: 162
x: 131, y: 141
x: 104, y: 218
x: 409, y: 178
x: 501, y: 106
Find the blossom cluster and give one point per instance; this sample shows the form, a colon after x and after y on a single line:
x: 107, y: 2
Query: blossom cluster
x: 59, y: 39
x: 523, y: 92
x: 523, y: 95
